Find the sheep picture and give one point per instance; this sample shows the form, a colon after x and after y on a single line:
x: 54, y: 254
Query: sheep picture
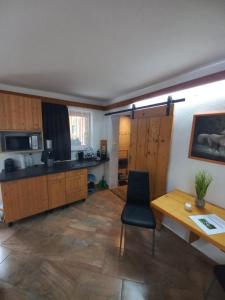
x: 213, y: 140
x: 208, y: 137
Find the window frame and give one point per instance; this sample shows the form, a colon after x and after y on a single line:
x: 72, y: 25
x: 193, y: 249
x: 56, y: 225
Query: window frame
x: 87, y: 112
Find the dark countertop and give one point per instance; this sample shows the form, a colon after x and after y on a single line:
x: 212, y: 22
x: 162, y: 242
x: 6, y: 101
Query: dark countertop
x: 41, y: 170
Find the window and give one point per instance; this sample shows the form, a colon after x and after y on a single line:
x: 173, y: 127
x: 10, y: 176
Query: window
x: 79, y: 129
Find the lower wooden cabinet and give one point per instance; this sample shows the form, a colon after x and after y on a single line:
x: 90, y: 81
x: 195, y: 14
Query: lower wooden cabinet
x: 76, y: 185
x: 56, y: 190
x: 27, y: 197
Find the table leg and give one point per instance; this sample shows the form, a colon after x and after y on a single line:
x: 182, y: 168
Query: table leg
x: 193, y: 237
x: 159, y: 216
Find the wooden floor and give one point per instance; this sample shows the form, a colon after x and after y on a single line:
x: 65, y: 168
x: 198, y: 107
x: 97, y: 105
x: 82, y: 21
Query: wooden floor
x: 72, y: 253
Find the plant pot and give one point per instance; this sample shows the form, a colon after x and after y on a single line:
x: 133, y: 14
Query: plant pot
x: 200, y: 203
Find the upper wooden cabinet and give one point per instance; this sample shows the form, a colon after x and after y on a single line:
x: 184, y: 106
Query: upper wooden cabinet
x: 20, y: 113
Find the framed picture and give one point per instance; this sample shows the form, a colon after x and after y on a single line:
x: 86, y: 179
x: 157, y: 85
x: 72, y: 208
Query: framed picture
x: 208, y: 137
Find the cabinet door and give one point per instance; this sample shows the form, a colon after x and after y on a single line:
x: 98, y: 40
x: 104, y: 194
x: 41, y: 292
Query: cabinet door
x: 16, y: 115
x: 37, y: 114
x: 76, y: 185
x: 33, y: 114
x: 3, y: 112
x: 25, y: 197
x: 56, y: 190
x: 20, y: 113
x: 12, y: 201
x: 12, y: 112
x: 38, y: 191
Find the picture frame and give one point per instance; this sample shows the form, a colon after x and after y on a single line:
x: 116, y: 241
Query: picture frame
x: 207, y: 140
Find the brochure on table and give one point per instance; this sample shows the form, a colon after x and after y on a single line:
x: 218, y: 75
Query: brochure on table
x: 210, y: 224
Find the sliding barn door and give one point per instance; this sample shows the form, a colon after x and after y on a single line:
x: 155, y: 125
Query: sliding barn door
x: 150, y: 146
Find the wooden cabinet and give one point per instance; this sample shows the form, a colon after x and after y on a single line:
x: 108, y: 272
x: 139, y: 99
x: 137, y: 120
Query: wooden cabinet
x: 76, y: 185
x: 57, y: 190
x: 25, y: 197
x: 20, y: 113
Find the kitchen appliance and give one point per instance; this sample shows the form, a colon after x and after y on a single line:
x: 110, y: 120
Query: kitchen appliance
x: 48, y: 155
x: 20, y: 141
x: 80, y: 155
x: 9, y: 164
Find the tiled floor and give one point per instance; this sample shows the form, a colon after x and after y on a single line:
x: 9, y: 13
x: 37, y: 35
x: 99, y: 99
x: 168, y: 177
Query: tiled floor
x: 72, y: 253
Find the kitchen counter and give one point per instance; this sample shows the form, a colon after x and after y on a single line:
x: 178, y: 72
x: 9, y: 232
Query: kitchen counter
x: 41, y: 170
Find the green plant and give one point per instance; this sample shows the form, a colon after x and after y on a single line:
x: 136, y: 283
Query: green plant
x: 202, y: 182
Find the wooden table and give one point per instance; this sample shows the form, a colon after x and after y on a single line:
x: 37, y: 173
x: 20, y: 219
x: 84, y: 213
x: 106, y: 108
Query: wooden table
x: 172, y: 205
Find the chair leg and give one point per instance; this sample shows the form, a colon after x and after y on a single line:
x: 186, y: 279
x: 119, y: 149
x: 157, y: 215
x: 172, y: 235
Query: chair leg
x: 206, y: 294
x: 153, y: 242
x: 121, y: 236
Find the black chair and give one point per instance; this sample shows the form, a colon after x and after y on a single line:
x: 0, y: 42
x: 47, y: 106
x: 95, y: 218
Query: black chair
x: 219, y: 271
x: 137, y: 211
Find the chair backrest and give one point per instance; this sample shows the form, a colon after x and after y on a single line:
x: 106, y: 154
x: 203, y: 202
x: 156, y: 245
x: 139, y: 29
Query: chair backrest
x: 138, y: 188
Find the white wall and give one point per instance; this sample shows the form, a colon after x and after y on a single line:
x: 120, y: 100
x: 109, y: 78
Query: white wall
x: 209, y: 98
x: 112, y: 135
x: 181, y: 173
x: 97, y: 134
x: 182, y: 170
x: 19, y: 160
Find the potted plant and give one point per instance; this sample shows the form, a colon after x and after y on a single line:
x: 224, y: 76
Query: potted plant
x: 202, y: 182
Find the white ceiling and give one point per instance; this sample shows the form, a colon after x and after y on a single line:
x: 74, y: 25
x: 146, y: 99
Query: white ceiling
x: 103, y: 49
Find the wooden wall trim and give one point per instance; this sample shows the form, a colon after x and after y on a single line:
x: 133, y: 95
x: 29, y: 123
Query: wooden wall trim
x: 72, y: 103
x: 57, y: 101
x: 177, y: 87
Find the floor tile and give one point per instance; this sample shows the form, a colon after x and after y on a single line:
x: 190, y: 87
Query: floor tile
x: 72, y: 253
x: 135, y: 291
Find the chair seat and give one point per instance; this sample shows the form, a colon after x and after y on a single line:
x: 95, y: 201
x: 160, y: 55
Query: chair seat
x: 136, y: 215
x: 220, y: 274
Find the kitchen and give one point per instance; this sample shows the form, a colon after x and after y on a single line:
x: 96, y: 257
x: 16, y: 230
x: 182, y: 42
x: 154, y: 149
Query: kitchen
x: 107, y: 113
x: 39, y: 173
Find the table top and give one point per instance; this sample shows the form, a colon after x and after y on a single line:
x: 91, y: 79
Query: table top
x: 172, y: 205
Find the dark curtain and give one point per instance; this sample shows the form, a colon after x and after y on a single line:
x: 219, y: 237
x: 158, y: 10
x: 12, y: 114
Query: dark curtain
x: 56, y: 128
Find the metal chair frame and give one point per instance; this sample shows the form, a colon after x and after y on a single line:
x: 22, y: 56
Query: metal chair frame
x: 122, y: 239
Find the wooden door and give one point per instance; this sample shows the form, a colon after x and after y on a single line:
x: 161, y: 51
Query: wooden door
x: 56, y: 190
x: 150, y: 146
x: 76, y: 185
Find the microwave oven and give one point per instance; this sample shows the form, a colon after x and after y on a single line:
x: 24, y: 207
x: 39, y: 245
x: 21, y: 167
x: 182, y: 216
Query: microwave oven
x: 20, y: 141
